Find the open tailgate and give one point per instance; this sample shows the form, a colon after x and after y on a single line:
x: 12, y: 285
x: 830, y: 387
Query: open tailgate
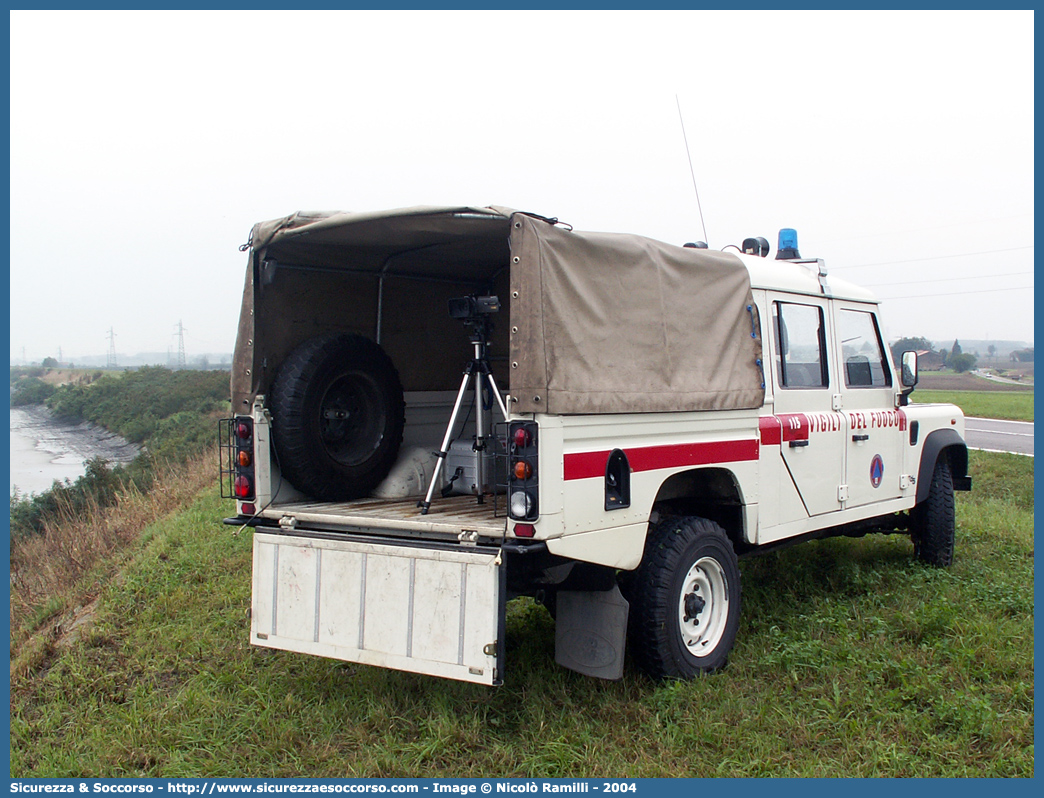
x: 428, y: 609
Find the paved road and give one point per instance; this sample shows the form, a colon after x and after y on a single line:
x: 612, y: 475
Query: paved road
x: 1002, y: 380
x: 999, y: 436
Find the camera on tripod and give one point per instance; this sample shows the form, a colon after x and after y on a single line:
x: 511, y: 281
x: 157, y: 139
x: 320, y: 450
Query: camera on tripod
x: 467, y: 308
x: 476, y: 313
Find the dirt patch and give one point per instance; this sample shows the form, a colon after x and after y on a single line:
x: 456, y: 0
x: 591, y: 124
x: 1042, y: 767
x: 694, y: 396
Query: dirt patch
x: 51, y: 638
x: 964, y: 382
x: 72, y: 627
x: 71, y: 376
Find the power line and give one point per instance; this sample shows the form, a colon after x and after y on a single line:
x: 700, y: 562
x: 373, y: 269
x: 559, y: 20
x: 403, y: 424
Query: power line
x: 947, y: 279
x: 959, y: 293
x: 934, y: 257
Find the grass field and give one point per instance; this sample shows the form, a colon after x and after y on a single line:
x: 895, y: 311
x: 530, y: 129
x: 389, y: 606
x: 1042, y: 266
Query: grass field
x: 1015, y: 406
x: 852, y: 660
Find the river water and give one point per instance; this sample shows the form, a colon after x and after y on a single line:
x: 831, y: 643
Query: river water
x: 44, y: 449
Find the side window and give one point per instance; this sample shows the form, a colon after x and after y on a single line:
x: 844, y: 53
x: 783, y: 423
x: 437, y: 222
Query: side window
x: 862, y: 351
x: 800, y: 345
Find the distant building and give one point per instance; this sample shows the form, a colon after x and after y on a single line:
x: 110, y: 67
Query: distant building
x: 928, y: 360
x: 1022, y: 355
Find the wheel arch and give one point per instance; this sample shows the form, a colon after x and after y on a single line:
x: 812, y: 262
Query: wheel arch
x: 711, y: 492
x: 941, y: 443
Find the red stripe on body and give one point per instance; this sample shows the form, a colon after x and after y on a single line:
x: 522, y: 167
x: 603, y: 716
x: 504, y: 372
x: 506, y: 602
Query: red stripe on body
x: 795, y: 426
x: 771, y: 431
x: 587, y: 465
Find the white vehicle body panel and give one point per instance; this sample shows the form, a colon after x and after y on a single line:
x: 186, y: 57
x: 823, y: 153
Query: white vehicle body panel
x: 658, y: 446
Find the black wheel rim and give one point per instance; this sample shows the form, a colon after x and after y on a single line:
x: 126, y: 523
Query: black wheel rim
x: 352, y: 418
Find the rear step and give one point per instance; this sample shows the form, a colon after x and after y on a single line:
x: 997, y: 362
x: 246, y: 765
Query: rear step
x: 448, y: 516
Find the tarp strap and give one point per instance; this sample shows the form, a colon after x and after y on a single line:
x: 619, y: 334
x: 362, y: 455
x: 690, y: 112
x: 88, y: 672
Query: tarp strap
x: 551, y: 220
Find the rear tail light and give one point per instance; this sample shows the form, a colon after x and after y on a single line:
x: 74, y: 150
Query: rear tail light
x: 523, y: 477
x: 520, y: 437
x: 243, y: 484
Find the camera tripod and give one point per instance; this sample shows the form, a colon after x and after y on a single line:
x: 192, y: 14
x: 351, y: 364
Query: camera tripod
x: 474, y: 373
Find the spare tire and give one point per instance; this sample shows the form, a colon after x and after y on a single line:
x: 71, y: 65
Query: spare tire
x: 338, y: 414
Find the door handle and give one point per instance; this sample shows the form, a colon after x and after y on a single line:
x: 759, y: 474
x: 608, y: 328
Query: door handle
x: 796, y: 444
x: 858, y: 438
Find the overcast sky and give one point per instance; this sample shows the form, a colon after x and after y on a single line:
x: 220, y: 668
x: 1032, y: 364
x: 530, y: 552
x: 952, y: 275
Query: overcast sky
x: 144, y: 145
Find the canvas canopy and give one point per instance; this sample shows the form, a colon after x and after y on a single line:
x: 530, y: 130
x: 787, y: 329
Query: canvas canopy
x: 595, y: 322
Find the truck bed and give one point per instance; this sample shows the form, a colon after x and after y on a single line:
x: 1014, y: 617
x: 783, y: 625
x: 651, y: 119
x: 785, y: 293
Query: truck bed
x: 447, y: 516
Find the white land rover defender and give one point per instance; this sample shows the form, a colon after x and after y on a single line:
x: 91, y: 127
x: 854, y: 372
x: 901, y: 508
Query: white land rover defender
x: 439, y: 409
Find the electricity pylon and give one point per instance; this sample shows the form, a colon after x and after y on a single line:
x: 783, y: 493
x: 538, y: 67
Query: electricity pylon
x: 110, y: 358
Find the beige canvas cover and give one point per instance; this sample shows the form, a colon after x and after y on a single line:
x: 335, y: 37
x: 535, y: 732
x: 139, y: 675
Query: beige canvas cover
x: 591, y: 322
x: 611, y: 323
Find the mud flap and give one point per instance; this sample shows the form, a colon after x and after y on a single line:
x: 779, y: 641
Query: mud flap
x: 590, y: 632
x: 423, y: 609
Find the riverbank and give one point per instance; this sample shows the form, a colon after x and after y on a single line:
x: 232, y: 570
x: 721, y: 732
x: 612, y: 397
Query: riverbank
x: 171, y: 415
x: 44, y: 449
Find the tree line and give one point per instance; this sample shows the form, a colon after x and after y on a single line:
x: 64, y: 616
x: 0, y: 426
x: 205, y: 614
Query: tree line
x: 955, y: 357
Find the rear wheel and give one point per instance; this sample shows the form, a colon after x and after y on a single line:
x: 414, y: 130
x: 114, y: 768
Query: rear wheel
x: 934, y: 519
x: 338, y: 416
x: 685, y: 600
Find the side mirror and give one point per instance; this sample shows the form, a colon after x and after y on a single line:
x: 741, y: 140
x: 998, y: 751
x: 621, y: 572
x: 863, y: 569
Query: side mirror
x: 907, y: 376
x: 909, y: 370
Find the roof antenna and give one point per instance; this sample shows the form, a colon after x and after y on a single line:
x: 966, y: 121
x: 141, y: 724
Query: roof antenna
x: 691, y: 172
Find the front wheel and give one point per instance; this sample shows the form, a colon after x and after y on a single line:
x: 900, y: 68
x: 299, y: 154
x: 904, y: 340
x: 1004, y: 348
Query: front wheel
x: 685, y: 600
x: 934, y: 519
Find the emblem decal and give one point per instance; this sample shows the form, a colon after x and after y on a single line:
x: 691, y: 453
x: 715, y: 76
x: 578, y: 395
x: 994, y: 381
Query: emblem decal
x: 876, y: 471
